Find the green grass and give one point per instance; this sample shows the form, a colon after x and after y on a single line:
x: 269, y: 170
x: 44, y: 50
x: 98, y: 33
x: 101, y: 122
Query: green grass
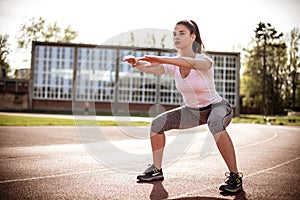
x: 274, y: 120
x: 7, y: 120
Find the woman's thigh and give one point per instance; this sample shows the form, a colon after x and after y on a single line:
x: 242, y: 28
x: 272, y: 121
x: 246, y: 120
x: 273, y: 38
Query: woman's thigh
x: 178, y: 118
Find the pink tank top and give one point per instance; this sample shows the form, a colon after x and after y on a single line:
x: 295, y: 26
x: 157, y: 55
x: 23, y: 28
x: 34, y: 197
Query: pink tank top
x: 198, y: 88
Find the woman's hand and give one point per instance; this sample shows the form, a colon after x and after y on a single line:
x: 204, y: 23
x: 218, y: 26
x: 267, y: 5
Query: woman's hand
x: 147, y: 64
x: 152, y: 60
x: 131, y: 60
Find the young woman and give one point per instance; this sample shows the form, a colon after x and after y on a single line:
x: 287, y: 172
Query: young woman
x: 194, y: 77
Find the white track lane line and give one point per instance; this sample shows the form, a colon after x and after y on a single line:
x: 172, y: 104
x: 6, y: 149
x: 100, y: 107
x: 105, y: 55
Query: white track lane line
x: 52, y: 176
x: 245, y: 177
x: 271, y: 168
x: 250, y: 175
x: 257, y: 143
x: 236, y: 148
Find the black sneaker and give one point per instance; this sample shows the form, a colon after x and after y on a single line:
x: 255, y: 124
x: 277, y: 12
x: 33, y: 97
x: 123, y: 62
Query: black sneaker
x: 151, y: 174
x: 233, y: 183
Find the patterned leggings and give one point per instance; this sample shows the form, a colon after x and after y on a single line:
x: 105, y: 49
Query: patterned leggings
x: 217, y: 117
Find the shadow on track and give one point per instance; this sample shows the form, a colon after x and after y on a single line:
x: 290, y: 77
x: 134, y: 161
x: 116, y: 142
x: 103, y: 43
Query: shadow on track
x: 159, y: 192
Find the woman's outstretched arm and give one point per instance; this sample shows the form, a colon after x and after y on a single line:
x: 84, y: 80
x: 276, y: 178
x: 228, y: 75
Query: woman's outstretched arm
x: 185, y: 62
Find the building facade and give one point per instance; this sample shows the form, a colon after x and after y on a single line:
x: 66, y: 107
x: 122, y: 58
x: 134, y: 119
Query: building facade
x: 76, y: 76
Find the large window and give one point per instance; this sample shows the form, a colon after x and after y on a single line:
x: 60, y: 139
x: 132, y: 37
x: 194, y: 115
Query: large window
x: 226, y: 76
x: 138, y: 87
x: 133, y: 85
x: 53, y: 72
x: 95, y: 77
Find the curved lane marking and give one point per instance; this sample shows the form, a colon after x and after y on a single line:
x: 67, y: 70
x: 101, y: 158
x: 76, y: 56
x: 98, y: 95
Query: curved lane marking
x: 260, y: 142
x: 274, y: 167
x: 52, y: 176
x: 250, y: 175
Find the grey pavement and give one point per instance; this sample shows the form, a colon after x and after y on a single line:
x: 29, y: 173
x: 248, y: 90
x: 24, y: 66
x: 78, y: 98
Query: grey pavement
x: 56, y: 163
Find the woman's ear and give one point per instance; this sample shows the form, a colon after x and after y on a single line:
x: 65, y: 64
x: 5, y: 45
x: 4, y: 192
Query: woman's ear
x: 193, y: 36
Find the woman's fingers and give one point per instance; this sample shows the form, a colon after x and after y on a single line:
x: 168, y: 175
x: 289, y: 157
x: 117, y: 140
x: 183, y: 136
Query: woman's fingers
x: 150, y: 59
x: 130, y: 59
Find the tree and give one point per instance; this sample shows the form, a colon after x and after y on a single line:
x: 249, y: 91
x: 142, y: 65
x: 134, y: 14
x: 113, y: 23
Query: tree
x: 267, y: 38
x: 38, y: 30
x: 4, y: 51
x: 293, y: 69
x: 251, y: 85
x: 263, y: 79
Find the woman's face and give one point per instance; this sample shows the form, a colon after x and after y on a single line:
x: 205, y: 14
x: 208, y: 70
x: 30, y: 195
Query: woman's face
x: 182, y: 37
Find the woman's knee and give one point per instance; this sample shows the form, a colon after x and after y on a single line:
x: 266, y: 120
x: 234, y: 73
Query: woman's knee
x: 216, y: 127
x: 219, y: 119
x: 157, y: 126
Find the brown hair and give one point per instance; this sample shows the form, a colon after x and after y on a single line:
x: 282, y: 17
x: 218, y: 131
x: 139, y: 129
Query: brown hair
x: 198, y: 46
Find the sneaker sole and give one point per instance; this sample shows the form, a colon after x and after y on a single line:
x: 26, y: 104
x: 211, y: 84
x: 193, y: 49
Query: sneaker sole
x: 231, y: 190
x: 157, y: 178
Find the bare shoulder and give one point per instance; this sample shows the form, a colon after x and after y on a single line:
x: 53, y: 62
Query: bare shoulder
x: 206, y: 61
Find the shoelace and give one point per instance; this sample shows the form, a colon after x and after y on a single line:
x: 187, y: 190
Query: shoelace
x: 239, y: 174
x: 151, y: 168
x: 229, y: 178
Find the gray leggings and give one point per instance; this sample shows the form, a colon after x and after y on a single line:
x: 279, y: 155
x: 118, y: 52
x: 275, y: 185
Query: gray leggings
x: 217, y: 117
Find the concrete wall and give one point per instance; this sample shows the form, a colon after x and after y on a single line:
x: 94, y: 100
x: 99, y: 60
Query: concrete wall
x: 14, y: 94
x: 12, y: 101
